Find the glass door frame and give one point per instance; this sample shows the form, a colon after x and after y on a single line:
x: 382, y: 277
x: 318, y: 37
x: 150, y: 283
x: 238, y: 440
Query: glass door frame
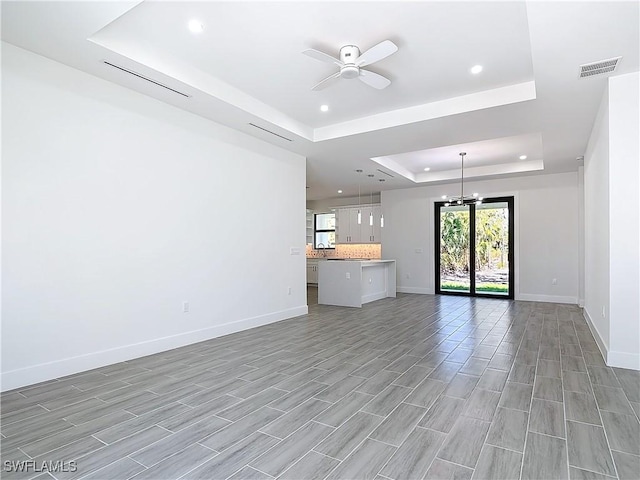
x: 472, y: 250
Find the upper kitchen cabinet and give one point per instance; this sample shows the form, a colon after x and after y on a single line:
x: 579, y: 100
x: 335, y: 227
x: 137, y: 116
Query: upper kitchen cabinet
x: 349, y: 231
x: 347, y: 228
x: 370, y: 228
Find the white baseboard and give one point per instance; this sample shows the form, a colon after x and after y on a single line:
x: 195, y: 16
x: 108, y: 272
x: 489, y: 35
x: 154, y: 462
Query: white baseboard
x: 372, y: 297
x: 68, y: 366
x: 602, y: 345
x: 612, y: 358
x: 624, y: 360
x: 530, y: 297
x: 420, y: 290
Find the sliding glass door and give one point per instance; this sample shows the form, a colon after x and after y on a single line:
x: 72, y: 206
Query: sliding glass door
x: 474, y: 248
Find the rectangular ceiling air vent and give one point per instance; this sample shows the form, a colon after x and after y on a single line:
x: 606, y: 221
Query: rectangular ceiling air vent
x: 386, y: 173
x: 598, y: 68
x: 135, y: 74
x: 269, y: 131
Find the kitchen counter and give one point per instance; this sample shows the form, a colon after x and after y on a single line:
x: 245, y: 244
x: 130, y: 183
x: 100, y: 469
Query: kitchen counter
x: 352, y: 283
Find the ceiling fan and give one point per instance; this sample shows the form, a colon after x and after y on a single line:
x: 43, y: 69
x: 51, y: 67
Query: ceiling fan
x: 351, y: 63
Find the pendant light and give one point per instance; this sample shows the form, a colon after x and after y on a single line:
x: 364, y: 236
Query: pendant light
x: 381, y: 214
x: 371, y: 208
x: 462, y: 199
x: 359, y: 213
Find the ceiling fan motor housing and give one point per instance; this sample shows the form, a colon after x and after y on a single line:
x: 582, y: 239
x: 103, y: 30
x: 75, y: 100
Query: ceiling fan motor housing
x: 348, y: 56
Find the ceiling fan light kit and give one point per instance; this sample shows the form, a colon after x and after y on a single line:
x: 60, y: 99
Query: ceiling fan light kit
x: 351, y: 63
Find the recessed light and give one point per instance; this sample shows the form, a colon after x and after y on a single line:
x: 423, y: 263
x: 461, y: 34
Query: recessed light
x: 426, y: 169
x: 475, y: 194
x: 523, y: 157
x: 476, y: 69
x: 444, y: 197
x: 196, y: 26
x: 324, y: 108
x: 339, y: 191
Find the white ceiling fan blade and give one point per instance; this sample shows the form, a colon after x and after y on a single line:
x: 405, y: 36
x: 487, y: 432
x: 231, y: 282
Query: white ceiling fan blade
x: 376, y: 53
x: 374, y: 80
x: 323, y: 57
x: 327, y: 81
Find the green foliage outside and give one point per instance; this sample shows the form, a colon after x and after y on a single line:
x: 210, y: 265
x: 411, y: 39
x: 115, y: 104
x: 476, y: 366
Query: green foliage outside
x: 491, y: 241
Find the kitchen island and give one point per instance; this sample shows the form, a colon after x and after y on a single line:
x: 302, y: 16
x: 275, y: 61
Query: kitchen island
x: 351, y: 283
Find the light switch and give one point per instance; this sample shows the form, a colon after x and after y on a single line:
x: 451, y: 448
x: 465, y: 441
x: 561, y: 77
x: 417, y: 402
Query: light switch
x: 418, y: 250
x: 294, y: 251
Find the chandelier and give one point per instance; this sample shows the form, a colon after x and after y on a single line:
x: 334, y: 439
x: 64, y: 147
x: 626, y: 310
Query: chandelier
x: 462, y: 199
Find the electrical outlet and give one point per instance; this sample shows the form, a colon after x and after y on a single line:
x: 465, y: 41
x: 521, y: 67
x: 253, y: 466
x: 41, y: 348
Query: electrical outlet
x: 289, y: 291
x: 185, y: 307
x: 554, y: 281
x: 348, y: 275
x: 604, y: 314
x: 370, y: 280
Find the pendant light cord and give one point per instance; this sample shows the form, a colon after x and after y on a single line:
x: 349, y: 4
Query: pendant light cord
x: 462, y: 154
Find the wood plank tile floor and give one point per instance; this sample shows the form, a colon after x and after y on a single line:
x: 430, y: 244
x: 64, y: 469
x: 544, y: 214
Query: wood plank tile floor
x: 414, y: 387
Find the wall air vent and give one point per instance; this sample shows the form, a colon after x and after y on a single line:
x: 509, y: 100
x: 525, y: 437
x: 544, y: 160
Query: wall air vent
x: 269, y: 131
x: 131, y: 72
x: 598, y: 68
x: 386, y: 173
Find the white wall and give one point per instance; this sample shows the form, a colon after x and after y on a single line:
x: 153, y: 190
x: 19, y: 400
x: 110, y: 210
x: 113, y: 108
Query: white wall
x: 546, y: 236
x: 612, y: 224
x: 581, y: 233
x: 117, y: 208
x: 596, y: 225
x: 624, y: 217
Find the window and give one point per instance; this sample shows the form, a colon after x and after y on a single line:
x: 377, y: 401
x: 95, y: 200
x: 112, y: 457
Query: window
x: 324, y: 232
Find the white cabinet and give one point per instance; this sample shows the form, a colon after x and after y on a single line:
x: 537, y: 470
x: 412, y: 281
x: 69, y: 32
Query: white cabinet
x: 349, y: 231
x: 309, y: 227
x: 371, y: 231
x: 377, y: 224
x: 312, y: 271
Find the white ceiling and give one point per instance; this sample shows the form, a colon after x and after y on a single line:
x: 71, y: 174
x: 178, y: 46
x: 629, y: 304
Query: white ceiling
x: 256, y: 47
x: 246, y: 67
x: 486, y: 157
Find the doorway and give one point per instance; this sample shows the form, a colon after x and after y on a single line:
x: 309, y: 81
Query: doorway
x: 474, y: 248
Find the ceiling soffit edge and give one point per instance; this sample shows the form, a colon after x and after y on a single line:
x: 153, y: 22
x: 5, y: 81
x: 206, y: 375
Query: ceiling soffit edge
x: 201, y: 82
x: 472, y: 172
x: 520, y: 92
x: 209, y: 85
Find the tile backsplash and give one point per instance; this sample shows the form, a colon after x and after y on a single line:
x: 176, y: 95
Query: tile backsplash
x: 365, y: 250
